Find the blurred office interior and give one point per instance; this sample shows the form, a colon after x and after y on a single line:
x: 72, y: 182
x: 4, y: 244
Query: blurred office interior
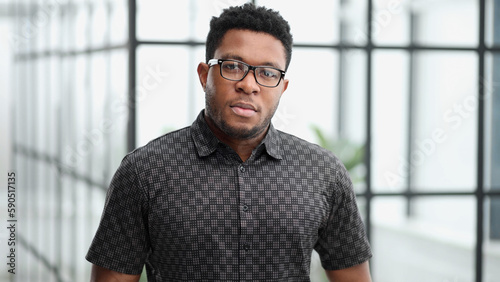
x: 413, y: 85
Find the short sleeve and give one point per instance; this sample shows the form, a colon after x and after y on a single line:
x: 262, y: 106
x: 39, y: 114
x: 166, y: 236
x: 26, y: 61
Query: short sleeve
x: 343, y: 243
x: 121, y: 242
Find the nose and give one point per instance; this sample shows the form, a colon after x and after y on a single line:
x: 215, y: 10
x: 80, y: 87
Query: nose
x: 248, y: 84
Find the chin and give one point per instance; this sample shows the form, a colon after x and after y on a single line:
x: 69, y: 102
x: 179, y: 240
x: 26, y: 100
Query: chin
x: 240, y: 132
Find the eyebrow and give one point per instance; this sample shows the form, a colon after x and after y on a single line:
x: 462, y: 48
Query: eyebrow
x: 238, y: 58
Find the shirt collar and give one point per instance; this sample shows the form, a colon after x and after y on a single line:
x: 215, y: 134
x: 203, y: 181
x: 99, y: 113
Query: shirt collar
x: 272, y: 143
x: 206, y: 142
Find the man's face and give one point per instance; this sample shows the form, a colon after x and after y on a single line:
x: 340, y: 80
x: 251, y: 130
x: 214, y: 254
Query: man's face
x: 243, y: 109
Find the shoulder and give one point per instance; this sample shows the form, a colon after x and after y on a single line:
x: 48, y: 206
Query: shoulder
x: 305, y: 155
x: 293, y: 147
x: 167, y: 144
x: 159, y: 153
x: 153, y: 161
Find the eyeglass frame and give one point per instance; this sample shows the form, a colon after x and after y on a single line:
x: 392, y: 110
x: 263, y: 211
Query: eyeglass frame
x: 213, y: 62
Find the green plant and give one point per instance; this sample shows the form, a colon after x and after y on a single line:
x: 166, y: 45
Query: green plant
x: 350, y: 153
x: 144, y: 276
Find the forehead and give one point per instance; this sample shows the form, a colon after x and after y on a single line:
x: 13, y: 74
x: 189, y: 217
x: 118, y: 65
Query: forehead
x: 255, y: 48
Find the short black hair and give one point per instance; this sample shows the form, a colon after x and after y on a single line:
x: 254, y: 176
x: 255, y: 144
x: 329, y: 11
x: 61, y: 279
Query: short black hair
x: 248, y: 16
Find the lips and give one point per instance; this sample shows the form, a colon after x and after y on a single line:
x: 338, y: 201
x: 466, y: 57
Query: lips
x: 244, y: 106
x: 243, y: 109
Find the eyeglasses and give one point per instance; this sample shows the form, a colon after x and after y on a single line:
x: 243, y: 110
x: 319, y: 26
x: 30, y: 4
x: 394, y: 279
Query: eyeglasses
x: 237, y: 71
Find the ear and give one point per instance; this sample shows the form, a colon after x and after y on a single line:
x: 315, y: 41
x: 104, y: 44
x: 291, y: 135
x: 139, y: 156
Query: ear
x: 203, y: 74
x: 285, y: 86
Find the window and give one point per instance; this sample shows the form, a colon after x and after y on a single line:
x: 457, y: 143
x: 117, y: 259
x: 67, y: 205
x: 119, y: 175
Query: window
x: 414, y: 84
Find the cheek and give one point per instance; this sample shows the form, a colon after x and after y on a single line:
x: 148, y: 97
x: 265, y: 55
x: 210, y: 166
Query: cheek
x: 273, y: 101
x: 215, y: 98
x: 210, y: 81
x: 218, y: 83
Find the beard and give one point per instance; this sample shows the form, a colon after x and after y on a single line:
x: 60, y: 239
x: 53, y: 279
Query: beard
x: 215, y: 114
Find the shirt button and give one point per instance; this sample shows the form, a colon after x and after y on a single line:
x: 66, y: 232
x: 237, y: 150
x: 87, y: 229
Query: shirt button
x: 246, y: 247
x: 245, y: 208
x: 242, y: 168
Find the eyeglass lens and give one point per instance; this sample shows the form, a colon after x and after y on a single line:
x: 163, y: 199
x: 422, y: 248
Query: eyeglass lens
x: 236, y: 71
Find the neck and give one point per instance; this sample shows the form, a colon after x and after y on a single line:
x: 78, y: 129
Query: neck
x: 242, y: 147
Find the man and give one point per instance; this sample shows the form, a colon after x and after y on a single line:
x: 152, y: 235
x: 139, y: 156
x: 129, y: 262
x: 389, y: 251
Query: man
x: 230, y: 198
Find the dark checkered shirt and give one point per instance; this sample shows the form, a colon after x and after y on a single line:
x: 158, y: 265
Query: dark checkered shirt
x: 188, y: 207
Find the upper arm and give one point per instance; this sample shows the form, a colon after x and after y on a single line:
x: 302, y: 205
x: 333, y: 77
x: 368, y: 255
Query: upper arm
x: 357, y: 273
x: 121, y: 241
x: 101, y: 274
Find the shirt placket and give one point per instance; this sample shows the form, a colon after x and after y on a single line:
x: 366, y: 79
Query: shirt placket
x: 246, y: 219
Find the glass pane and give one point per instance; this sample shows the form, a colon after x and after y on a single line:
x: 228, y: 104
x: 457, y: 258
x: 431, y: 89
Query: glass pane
x: 492, y: 121
x: 449, y: 23
x: 81, y: 115
x: 40, y: 209
x: 95, y: 135
x: 436, y: 243
x: 118, y: 22
x: 96, y: 207
x: 361, y: 201
x: 353, y: 79
x: 22, y: 106
x: 53, y: 109
x: 40, y: 102
x: 39, y: 29
x: 117, y: 116
x: 353, y: 17
x: 81, y: 23
x: 50, y: 206
x: 443, y: 153
x: 55, y: 28
x: 390, y: 120
x: 83, y: 235
x: 30, y: 113
x: 493, y: 22
x: 161, y: 94
x: 491, y: 247
x: 391, y: 22
x: 443, y: 22
x: 66, y: 117
x: 312, y: 96
x: 202, y: 12
x: 99, y: 24
x: 317, y: 273
x: 319, y: 25
x: 163, y: 20
x: 352, y: 112
x: 66, y: 225
x: 36, y: 197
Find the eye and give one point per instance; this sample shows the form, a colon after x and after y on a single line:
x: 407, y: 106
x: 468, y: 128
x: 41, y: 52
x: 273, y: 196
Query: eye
x: 268, y: 73
x: 233, y: 66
